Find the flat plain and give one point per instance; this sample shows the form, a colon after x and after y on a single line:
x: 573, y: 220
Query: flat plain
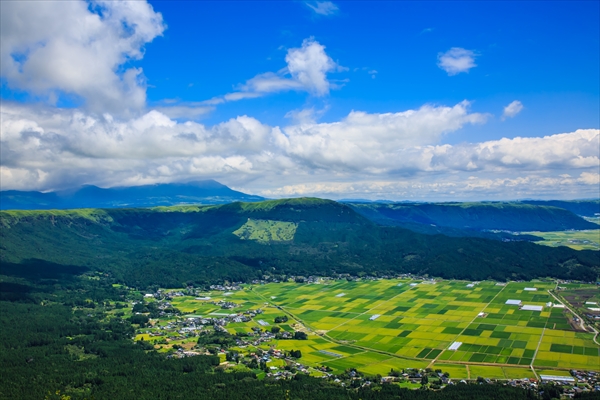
x: 579, y: 240
x: 464, y: 328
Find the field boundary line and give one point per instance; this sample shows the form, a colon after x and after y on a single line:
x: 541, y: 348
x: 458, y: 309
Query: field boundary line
x: 537, y: 348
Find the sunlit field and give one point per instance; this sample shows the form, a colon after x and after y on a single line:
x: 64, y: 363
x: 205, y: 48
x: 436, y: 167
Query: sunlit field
x: 375, y: 326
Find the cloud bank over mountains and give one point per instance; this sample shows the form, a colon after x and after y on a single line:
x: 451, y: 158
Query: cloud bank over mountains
x: 82, y: 52
x: 398, y: 155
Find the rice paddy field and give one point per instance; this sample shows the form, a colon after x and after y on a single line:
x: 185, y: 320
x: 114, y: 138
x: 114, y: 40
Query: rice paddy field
x: 578, y: 240
x: 464, y: 328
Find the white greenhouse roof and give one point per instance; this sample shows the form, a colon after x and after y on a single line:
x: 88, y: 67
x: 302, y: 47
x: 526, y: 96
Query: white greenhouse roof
x: 529, y: 307
x: 513, y: 302
x: 455, y: 346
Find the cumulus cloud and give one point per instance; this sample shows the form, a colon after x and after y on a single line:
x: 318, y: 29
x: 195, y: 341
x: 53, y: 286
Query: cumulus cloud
x: 363, y: 154
x: 75, y: 48
x: 457, y: 60
x: 512, y: 109
x: 322, y: 7
x: 306, y: 70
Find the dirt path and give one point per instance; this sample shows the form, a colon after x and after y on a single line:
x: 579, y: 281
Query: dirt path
x: 581, y: 323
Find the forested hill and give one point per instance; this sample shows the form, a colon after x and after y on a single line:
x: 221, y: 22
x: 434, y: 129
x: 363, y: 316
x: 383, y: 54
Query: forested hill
x: 478, y: 217
x: 167, y: 194
x: 586, y: 208
x: 170, y: 246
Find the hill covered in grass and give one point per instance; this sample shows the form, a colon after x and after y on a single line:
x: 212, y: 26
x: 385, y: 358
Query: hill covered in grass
x: 174, y: 245
x: 475, y: 219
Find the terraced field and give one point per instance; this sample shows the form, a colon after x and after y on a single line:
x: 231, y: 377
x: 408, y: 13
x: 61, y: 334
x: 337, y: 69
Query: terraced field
x: 379, y: 325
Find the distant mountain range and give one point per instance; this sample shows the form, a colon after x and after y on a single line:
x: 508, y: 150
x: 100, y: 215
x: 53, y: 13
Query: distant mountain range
x: 491, y: 220
x: 479, y: 219
x: 167, y: 194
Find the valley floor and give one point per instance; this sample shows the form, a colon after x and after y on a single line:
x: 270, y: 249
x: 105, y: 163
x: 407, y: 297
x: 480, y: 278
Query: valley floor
x: 485, y: 329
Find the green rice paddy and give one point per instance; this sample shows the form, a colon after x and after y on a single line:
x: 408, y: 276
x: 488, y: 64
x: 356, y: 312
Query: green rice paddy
x: 379, y: 325
x: 578, y: 240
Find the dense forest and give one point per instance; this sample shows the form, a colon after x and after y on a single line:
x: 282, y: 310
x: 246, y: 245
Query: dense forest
x: 56, y: 342
x: 197, y: 244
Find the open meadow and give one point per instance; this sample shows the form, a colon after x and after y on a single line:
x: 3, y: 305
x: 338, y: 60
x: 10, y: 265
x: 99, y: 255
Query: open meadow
x: 469, y: 329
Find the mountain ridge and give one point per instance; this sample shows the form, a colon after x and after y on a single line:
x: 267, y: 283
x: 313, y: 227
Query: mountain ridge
x: 172, y: 245
x: 160, y: 194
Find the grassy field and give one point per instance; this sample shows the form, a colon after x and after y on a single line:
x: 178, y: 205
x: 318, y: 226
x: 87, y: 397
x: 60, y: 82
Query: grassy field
x: 375, y: 326
x: 265, y: 231
x: 578, y: 240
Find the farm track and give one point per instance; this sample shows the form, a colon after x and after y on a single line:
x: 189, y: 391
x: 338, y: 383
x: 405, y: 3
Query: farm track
x: 581, y: 323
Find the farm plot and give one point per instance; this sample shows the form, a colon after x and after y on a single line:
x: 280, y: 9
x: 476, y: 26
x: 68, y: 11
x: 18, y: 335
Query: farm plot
x: 415, y: 322
x: 578, y: 240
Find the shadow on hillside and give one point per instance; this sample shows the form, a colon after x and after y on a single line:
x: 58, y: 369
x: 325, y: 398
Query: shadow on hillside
x: 15, y: 292
x: 38, y: 271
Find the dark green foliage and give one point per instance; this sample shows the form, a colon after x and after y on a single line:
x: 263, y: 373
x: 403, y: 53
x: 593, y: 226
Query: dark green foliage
x: 180, y: 245
x: 222, y: 339
x: 295, y: 353
x: 300, y: 335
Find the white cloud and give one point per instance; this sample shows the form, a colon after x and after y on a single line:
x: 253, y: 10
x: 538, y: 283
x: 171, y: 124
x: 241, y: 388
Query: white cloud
x: 457, y: 60
x: 309, y: 66
x: 590, y: 178
x: 392, y: 155
x: 306, y: 70
x: 512, y: 109
x: 322, y: 7
x: 55, y: 48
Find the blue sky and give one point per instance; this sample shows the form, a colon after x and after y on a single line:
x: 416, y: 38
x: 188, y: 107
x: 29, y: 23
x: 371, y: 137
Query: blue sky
x: 398, y: 100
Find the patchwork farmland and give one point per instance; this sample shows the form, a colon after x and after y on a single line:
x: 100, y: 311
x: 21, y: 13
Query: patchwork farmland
x: 468, y: 329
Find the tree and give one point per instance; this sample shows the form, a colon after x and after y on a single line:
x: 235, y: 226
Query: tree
x: 295, y: 353
x: 300, y: 335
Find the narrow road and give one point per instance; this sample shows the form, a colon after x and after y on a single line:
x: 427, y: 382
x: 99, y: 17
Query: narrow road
x: 581, y: 323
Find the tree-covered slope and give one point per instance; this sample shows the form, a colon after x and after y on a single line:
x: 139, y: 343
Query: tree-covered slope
x: 475, y: 217
x: 587, y: 208
x: 173, y: 245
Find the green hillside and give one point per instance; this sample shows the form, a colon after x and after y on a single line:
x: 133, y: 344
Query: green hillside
x: 473, y: 217
x: 174, y: 245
